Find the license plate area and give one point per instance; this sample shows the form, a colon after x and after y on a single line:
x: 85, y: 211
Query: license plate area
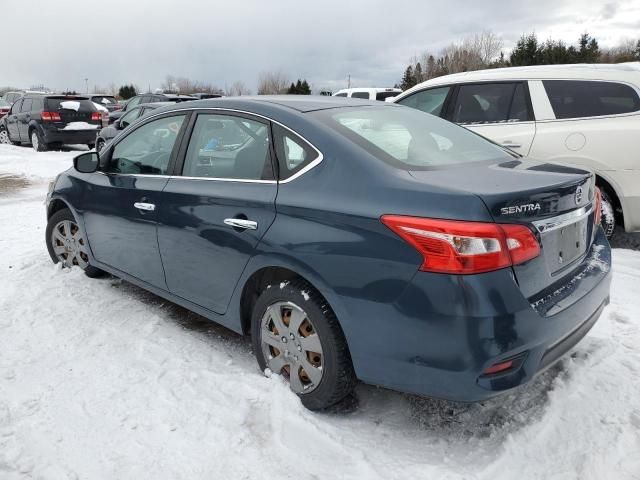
x: 564, y: 245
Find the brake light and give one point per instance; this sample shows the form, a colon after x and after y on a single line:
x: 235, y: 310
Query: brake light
x: 458, y: 247
x: 96, y: 116
x: 50, y: 117
x: 597, y: 214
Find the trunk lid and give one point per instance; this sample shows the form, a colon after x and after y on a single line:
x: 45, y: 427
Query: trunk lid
x: 72, y: 109
x: 554, y: 200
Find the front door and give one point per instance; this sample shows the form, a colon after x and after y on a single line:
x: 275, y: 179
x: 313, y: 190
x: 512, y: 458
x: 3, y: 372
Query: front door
x: 12, y: 121
x: 213, y: 216
x: 499, y: 111
x: 24, y: 117
x: 120, y: 213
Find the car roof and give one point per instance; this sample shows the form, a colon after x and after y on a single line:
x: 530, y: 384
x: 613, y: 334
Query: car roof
x: 369, y: 89
x: 627, y: 72
x: 154, y: 104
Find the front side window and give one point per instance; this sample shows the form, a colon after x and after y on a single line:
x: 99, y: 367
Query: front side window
x: 128, y: 118
x: 15, y: 108
x: 293, y: 152
x: 490, y: 103
x: 410, y: 139
x: 576, y: 98
x: 147, y: 150
x: 228, y: 147
x: 132, y: 103
x: 364, y: 95
x: 429, y: 101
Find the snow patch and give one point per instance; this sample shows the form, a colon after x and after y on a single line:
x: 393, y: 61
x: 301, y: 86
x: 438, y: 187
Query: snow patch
x: 284, y: 284
x: 70, y: 105
x: 80, y: 126
x: 305, y: 294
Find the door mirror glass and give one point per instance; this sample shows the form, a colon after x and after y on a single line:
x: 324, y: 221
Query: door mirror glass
x: 86, y: 162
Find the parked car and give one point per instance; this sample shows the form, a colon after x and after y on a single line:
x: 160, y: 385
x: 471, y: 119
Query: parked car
x: 351, y: 240
x: 47, y: 121
x: 149, y: 98
x: 585, y: 115
x: 108, y: 133
x: 11, y: 97
x: 368, y: 93
x: 204, y: 96
x: 107, y: 101
x: 4, y: 107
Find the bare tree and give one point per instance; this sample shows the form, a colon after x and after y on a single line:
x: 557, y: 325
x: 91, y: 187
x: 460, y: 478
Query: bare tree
x: 487, y: 45
x: 273, y: 83
x: 173, y: 84
x: 237, y: 89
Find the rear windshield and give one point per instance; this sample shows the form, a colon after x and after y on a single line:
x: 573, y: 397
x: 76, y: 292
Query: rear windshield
x: 3, y: 103
x: 104, y: 100
x: 410, y: 139
x: 70, y: 103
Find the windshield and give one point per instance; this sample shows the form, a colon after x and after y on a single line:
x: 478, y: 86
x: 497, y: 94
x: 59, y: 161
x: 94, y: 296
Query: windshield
x: 410, y: 139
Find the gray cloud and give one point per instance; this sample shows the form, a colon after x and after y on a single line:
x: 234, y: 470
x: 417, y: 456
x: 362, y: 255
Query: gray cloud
x: 61, y: 43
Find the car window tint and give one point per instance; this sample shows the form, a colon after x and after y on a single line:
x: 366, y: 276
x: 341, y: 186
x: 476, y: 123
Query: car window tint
x: 576, y: 99
x: 293, y: 152
x: 429, y: 101
x: 147, y: 149
x: 340, y: 95
x: 229, y: 147
x: 383, y: 95
x: 26, y: 105
x: 410, y: 139
x: 360, y: 95
x: 485, y: 102
x: 128, y: 118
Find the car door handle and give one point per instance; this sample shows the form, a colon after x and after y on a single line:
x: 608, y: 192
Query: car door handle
x: 241, y: 223
x: 147, y: 207
x: 511, y: 145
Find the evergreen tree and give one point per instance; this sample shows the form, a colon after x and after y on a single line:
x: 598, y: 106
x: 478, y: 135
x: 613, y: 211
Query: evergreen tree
x: 527, y: 51
x: 305, y: 89
x: 408, y: 80
x: 292, y: 89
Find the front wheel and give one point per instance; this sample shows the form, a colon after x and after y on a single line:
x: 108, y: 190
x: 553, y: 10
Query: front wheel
x: 296, y: 334
x: 4, y: 138
x: 66, y: 243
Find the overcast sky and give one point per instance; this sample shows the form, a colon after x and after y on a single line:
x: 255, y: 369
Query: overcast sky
x: 60, y: 43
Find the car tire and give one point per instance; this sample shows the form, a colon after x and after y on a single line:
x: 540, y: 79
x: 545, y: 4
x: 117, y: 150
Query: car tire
x: 99, y: 145
x: 37, y: 142
x: 65, y: 245
x: 608, y: 220
x: 316, y: 328
x: 4, y: 138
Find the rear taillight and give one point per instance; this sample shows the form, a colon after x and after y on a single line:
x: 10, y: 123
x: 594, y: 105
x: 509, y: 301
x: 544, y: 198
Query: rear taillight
x: 597, y: 214
x: 96, y: 116
x: 458, y: 247
x: 50, y: 117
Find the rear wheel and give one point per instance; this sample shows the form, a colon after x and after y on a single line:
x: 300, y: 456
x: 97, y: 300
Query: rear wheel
x: 66, y: 243
x: 37, y: 142
x: 608, y: 220
x: 296, y: 334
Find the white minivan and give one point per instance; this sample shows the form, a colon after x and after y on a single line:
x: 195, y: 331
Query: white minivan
x: 381, y: 94
x: 586, y: 115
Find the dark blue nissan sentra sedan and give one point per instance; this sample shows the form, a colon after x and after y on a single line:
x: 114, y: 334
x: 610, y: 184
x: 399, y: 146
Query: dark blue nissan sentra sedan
x: 352, y: 240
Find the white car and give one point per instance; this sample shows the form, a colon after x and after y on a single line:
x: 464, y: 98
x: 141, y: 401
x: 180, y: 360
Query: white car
x: 368, y: 93
x: 586, y: 115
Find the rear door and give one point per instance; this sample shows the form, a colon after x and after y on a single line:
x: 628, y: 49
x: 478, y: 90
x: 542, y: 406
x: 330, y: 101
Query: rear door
x: 499, y: 111
x: 214, y: 214
x: 120, y: 214
x: 24, y: 117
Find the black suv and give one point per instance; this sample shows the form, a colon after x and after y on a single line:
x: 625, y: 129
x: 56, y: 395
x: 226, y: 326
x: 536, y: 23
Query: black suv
x: 149, y: 98
x: 45, y: 121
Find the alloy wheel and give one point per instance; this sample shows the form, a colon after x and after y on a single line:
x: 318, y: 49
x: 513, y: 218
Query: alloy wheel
x: 4, y: 136
x: 69, y: 245
x: 291, y: 346
x: 34, y: 140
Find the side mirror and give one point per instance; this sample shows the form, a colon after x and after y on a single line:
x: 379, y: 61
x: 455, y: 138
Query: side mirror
x: 86, y: 162
x: 117, y: 125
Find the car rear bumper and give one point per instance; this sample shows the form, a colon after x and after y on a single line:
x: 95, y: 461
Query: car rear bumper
x: 438, y: 338
x: 70, y: 137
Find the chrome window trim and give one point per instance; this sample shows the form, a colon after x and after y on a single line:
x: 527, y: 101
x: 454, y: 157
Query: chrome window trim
x: 563, y: 220
x: 311, y: 165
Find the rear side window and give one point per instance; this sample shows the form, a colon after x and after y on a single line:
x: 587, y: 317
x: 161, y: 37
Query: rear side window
x: 429, y: 101
x: 490, y: 103
x: 104, y: 100
x: 577, y: 99
x: 293, y: 153
x: 37, y: 105
x: 26, y: 105
x: 228, y: 147
x: 360, y: 95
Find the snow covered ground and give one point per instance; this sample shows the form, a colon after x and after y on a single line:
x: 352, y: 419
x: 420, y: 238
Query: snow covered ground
x: 101, y: 380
